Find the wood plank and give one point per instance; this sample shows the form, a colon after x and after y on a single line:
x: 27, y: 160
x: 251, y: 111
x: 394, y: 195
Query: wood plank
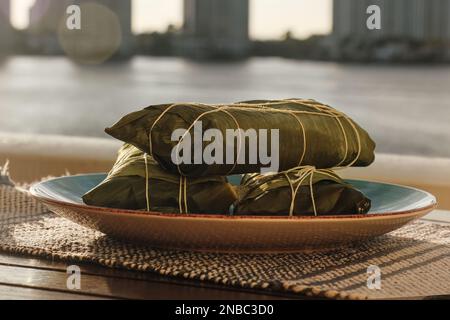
x: 113, y: 287
x: 24, y: 293
x: 90, y: 269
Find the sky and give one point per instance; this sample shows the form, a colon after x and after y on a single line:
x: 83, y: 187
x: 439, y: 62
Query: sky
x: 269, y: 19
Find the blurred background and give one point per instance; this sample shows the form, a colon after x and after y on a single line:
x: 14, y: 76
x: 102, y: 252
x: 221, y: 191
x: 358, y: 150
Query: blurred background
x: 394, y: 81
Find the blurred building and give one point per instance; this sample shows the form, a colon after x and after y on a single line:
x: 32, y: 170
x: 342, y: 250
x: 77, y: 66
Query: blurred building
x: 6, y: 31
x: 45, y: 17
x: 48, y: 16
x: 215, y: 28
x: 411, y: 30
x: 412, y: 19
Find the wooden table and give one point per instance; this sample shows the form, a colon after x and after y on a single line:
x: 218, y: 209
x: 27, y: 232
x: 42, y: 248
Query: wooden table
x: 31, y: 278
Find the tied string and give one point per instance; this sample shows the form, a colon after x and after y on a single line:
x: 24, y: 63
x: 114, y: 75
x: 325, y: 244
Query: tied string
x: 147, y: 195
x: 182, y: 192
x: 300, y: 174
x: 303, y: 171
x: 223, y: 109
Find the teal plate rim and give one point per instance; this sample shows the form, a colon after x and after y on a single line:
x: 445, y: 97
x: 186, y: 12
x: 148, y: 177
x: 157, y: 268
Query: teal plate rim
x: 429, y: 201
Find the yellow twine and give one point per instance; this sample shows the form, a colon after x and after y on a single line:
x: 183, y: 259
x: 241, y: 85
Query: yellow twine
x: 301, y: 174
x: 182, y: 194
x: 147, y: 196
x: 219, y: 109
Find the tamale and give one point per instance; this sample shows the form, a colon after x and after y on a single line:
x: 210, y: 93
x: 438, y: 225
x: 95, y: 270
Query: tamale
x: 310, y: 133
x: 125, y: 187
x: 272, y: 195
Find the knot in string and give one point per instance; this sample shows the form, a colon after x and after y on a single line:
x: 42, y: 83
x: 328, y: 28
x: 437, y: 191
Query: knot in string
x: 300, y: 174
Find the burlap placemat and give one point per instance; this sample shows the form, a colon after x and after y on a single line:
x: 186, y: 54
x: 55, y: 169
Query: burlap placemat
x: 414, y: 261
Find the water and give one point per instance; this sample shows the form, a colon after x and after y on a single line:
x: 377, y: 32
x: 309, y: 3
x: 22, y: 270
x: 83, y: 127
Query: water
x: 405, y: 108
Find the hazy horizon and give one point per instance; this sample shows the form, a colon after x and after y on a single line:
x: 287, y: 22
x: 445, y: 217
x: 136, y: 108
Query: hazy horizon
x: 267, y: 19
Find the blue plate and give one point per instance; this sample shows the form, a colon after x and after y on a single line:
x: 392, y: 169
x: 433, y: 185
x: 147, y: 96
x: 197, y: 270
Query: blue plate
x: 392, y: 207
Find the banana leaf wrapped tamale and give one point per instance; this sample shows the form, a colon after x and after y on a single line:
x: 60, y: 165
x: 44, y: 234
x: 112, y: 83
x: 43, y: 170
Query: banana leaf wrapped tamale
x: 310, y: 133
x: 299, y: 192
x: 125, y: 187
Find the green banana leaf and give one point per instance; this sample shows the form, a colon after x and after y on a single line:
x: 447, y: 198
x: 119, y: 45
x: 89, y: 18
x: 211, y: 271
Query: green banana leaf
x: 271, y: 195
x: 125, y: 188
x: 325, y: 143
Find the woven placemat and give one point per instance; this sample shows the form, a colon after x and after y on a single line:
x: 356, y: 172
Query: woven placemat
x: 414, y: 261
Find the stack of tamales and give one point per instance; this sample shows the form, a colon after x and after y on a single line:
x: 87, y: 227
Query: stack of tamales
x: 314, y: 139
